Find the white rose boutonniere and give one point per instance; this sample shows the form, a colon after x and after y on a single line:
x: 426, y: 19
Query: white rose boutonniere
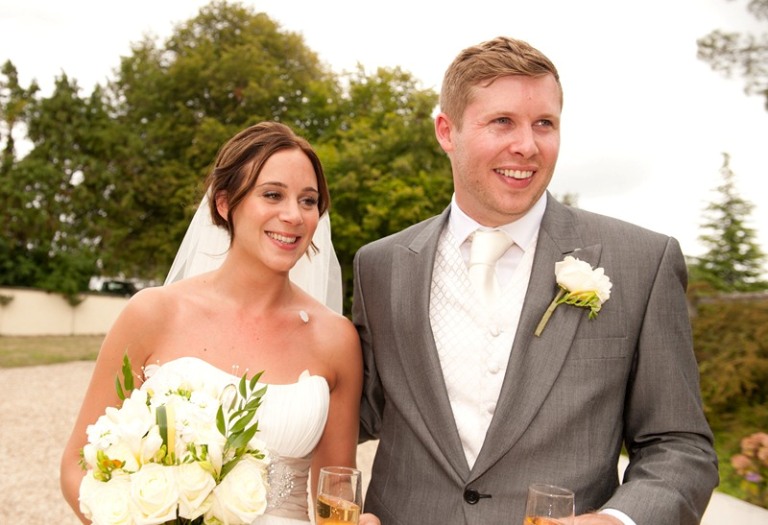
x: 580, y: 285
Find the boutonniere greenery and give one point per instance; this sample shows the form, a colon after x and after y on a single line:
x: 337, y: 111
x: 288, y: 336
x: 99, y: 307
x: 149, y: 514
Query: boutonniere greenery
x: 580, y: 285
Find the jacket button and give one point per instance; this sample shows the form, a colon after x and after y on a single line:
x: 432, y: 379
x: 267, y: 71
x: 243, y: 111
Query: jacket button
x: 471, y: 496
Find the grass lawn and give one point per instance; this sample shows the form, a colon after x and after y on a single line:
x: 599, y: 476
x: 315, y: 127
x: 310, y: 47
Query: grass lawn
x: 30, y: 351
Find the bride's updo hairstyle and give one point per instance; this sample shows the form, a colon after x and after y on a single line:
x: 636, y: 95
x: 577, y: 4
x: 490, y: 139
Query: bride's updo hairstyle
x: 241, y: 160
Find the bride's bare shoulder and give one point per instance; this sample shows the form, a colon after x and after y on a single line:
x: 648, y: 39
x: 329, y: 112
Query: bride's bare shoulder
x: 155, y: 301
x: 334, y: 329
x: 145, y: 304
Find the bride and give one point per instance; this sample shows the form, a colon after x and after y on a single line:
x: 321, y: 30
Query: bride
x: 267, y: 190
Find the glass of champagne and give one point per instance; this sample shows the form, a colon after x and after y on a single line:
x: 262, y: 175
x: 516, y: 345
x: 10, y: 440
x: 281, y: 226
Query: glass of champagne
x: 339, y: 496
x: 549, y: 505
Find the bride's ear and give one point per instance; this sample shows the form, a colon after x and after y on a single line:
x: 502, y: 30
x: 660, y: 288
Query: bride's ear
x: 222, y: 205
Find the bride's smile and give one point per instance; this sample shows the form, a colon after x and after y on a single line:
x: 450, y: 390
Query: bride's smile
x: 281, y: 211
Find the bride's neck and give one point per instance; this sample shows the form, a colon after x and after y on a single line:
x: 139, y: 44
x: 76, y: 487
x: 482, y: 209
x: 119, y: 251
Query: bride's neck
x: 257, y: 287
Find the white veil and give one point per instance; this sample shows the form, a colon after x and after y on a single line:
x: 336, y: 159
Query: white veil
x: 205, y: 245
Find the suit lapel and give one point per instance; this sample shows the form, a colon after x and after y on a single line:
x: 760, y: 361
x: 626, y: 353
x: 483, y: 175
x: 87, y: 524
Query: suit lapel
x: 416, y: 344
x: 535, y: 362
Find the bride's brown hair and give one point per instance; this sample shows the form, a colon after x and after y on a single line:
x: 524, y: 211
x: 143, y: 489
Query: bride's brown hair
x: 241, y: 160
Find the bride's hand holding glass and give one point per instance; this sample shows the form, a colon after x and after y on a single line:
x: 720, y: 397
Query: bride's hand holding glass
x: 339, y: 496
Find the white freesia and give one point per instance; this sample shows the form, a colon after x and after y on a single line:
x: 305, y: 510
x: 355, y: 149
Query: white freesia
x: 241, y: 496
x: 196, y: 421
x: 154, y: 494
x: 127, y: 424
x: 151, y: 444
x: 579, y: 285
x: 124, y: 454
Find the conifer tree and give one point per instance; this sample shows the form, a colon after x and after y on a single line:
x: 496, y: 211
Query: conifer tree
x: 733, y: 261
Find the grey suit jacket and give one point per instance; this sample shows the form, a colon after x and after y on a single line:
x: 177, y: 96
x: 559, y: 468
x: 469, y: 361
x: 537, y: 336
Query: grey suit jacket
x: 570, y: 397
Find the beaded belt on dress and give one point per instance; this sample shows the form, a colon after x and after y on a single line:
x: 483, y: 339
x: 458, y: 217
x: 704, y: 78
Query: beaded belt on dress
x: 287, y: 496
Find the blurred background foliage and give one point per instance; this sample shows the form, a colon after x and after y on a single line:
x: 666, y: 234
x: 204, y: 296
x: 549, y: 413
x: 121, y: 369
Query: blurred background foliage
x: 111, y: 179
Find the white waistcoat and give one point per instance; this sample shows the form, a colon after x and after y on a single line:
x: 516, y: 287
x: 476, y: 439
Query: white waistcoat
x: 473, y: 341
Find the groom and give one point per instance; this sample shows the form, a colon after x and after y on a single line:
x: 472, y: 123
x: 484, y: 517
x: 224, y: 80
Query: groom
x: 469, y: 405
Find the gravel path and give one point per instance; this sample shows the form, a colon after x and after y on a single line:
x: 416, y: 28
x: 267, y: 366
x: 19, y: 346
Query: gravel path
x: 37, y: 410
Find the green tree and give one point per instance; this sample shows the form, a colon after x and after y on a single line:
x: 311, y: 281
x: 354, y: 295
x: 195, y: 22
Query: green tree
x: 120, y: 173
x: 733, y: 261
x: 385, y: 168
x: 52, y: 234
x: 741, y: 53
x: 179, y: 102
x: 14, y: 100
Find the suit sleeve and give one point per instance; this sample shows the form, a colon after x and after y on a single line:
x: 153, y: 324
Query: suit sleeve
x: 372, y: 402
x: 673, y: 467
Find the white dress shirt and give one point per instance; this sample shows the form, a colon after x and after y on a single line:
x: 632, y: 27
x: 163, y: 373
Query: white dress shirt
x: 523, y: 231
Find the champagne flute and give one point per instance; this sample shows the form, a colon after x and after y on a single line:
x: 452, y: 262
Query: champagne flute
x: 549, y: 505
x: 339, y: 496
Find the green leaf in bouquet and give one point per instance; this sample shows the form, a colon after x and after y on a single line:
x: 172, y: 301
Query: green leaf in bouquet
x: 241, y: 439
x: 119, y: 389
x: 255, y: 403
x: 165, y: 425
x: 221, y: 423
x: 242, y: 387
x: 255, y: 381
x: 125, y: 388
x: 244, y: 418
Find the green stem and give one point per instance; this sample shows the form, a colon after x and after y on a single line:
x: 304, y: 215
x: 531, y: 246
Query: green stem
x: 548, y: 313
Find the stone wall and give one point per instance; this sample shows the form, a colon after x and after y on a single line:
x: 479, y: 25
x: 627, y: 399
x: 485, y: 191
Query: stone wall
x: 28, y: 312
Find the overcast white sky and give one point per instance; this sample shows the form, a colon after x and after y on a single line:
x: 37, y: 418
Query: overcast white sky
x: 644, y: 123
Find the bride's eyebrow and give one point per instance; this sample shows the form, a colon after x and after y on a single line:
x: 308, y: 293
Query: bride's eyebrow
x: 285, y: 186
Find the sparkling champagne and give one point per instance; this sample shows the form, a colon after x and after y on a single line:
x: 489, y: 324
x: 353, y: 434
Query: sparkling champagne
x: 335, y: 511
x: 538, y: 520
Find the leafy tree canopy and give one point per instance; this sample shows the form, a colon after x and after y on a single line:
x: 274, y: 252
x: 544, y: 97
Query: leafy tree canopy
x: 114, y: 177
x: 743, y: 54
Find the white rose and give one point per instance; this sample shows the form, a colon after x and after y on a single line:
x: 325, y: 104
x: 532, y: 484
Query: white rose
x: 241, y: 496
x: 579, y: 285
x: 195, y: 485
x: 106, y: 503
x: 154, y: 494
x: 578, y: 276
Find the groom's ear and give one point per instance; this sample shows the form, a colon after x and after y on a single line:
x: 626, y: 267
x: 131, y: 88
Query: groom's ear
x: 222, y: 205
x: 443, y: 132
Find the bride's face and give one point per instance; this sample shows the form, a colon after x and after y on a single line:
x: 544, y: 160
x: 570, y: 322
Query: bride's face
x: 277, y: 219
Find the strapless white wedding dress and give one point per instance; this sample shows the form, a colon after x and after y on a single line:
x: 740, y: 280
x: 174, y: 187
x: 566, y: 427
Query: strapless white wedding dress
x: 291, y: 420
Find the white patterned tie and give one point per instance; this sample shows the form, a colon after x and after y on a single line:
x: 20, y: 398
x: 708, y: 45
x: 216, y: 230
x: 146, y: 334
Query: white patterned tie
x: 487, y: 247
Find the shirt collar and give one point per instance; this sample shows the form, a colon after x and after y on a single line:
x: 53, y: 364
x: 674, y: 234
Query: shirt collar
x: 523, y: 231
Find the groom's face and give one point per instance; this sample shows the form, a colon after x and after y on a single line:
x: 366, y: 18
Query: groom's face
x: 504, y: 154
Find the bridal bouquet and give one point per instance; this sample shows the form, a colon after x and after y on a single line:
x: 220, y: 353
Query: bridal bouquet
x: 176, y: 454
